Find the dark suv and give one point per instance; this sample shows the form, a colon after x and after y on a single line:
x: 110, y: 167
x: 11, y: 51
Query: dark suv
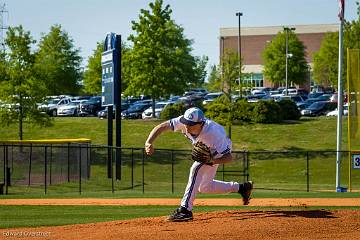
x: 91, y: 107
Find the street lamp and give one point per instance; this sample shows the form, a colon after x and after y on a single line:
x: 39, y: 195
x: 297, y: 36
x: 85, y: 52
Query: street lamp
x: 287, y: 29
x: 222, y: 62
x: 239, y: 14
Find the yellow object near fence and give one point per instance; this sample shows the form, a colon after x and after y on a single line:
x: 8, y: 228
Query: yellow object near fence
x: 47, y: 141
x: 353, y: 79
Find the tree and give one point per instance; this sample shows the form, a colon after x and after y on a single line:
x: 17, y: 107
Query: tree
x: 160, y: 60
x: 325, y: 68
x: 92, y: 75
x: 20, y: 87
x: 229, y: 67
x: 214, y: 80
x: 200, y: 72
x: 274, y: 60
x: 59, y: 62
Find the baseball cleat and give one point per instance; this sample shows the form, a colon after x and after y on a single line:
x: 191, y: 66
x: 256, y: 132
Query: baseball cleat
x: 180, y: 215
x: 245, y: 190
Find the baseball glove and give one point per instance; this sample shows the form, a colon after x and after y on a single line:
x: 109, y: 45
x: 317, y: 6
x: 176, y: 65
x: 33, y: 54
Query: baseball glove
x: 201, y: 153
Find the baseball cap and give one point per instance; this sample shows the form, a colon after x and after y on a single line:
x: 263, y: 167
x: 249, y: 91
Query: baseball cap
x: 192, y: 116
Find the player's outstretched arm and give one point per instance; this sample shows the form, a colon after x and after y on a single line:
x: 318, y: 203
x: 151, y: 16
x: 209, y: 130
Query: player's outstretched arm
x: 162, y: 127
x: 226, y: 158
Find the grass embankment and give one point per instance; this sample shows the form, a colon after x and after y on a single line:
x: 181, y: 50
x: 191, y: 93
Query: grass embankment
x: 305, y: 134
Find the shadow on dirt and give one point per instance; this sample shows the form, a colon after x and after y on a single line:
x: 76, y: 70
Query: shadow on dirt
x: 283, y: 213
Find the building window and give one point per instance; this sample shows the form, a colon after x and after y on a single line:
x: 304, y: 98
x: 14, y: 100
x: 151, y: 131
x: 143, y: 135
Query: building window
x: 252, y: 80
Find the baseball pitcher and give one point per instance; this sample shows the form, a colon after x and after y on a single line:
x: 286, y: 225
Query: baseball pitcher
x: 211, y: 147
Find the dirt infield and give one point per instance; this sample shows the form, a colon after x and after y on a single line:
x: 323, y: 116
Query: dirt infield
x: 234, y: 224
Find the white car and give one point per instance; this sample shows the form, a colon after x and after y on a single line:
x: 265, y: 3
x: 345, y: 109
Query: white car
x: 210, y: 97
x: 335, y: 112
x: 159, y: 107
x: 70, y: 109
x: 51, y: 105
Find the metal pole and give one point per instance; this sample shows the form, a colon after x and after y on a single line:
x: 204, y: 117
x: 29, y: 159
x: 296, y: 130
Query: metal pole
x: 45, y: 171
x: 68, y: 162
x: 30, y: 159
x: 79, y: 169
x: 172, y: 171
x: 239, y: 14
x: 222, y: 62
x: 110, y: 140
x: 307, y: 172
x: 340, y: 109
x: 118, y: 111
x: 286, y: 61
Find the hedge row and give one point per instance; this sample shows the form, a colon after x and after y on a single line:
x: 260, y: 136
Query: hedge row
x: 241, y: 111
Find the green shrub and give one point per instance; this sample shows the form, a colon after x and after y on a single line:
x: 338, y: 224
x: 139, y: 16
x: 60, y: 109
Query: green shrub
x: 266, y: 112
x: 218, y: 110
x: 289, y: 110
x: 173, y: 111
x: 242, y: 111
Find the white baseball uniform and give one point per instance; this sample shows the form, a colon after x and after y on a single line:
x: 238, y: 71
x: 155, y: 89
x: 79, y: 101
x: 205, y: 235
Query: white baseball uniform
x: 201, y: 177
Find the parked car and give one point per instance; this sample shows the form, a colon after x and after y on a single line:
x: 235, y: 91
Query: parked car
x: 296, y: 91
x: 91, y: 107
x: 135, y: 111
x: 335, y: 112
x: 70, y: 109
x: 159, y: 107
x: 51, y: 105
x: 210, y: 97
x: 104, y: 113
x: 318, y: 108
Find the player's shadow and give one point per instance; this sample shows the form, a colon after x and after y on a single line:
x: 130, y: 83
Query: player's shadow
x: 283, y: 213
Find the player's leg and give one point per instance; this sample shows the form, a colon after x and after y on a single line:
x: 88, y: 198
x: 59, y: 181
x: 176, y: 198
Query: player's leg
x: 184, y: 212
x: 209, y: 185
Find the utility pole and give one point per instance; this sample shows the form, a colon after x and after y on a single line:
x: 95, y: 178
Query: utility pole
x: 287, y: 55
x: 239, y: 14
x: 2, y: 26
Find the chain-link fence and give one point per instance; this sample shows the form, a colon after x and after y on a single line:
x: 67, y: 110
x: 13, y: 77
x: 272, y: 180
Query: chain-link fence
x: 68, y: 168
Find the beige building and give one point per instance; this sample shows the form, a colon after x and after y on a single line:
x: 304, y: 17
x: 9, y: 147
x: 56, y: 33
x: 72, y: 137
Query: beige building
x: 254, y: 40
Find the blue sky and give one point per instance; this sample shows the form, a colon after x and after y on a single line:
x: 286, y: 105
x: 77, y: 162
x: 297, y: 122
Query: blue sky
x: 88, y: 21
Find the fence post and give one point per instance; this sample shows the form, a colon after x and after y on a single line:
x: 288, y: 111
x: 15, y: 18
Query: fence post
x: 132, y: 168
x: 307, y: 172
x: 6, y: 172
x: 112, y: 169
x: 4, y: 151
x: 68, y: 162
x: 247, y: 161
x: 79, y: 168
x: 51, y: 153
x: 172, y: 171
x: 45, y: 170
x: 143, y: 170
x: 30, y: 159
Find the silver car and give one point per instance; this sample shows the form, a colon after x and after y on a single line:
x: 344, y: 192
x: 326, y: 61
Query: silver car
x: 70, y: 109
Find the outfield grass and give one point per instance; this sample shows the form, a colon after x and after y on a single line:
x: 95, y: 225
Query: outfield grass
x: 305, y: 134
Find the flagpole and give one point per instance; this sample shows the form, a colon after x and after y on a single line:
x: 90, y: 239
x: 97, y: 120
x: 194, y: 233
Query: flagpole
x: 340, y: 99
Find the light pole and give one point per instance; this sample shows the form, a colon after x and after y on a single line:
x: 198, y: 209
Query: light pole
x: 287, y: 29
x: 239, y: 14
x: 222, y: 62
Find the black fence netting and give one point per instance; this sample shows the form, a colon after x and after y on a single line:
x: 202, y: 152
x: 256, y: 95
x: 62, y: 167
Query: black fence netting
x: 72, y: 168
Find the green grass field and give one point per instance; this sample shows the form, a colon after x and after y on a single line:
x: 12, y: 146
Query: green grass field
x: 305, y: 134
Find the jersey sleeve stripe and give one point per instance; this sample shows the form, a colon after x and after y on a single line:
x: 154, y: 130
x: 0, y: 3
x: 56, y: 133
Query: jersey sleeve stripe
x: 227, y: 150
